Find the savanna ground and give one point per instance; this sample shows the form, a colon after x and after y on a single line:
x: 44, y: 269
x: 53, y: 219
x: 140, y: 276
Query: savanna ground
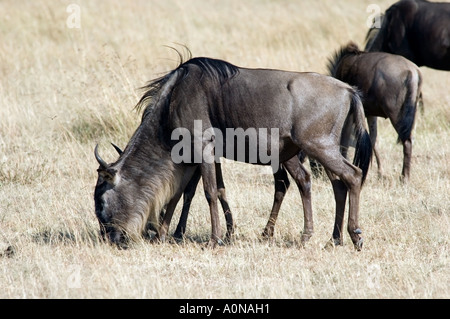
x: 69, y: 78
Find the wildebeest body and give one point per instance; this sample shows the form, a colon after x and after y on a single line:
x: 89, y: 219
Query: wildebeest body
x: 239, y: 105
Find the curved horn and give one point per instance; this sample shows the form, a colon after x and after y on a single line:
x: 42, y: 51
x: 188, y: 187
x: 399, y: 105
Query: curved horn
x: 99, y: 159
x: 117, y: 148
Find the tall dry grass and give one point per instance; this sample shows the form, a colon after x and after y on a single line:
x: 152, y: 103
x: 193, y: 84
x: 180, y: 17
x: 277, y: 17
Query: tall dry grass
x: 65, y: 89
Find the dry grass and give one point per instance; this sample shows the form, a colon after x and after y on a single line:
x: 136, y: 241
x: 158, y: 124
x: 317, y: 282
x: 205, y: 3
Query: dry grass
x: 63, y: 90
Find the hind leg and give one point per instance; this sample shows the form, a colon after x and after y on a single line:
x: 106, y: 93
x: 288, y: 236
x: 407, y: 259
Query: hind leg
x: 345, y: 178
x: 406, y: 141
x: 340, y: 197
x: 354, y: 183
x: 372, y: 123
x: 407, y: 151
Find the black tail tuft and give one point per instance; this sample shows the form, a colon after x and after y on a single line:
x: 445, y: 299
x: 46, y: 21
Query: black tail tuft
x: 408, y: 112
x: 363, y: 153
x: 363, y: 148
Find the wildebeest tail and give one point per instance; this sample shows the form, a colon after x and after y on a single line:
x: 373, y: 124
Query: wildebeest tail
x: 408, y: 112
x: 363, y: 147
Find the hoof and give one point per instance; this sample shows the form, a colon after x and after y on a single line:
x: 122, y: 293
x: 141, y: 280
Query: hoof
x: 161, y: 239
x: 178, y: 240
x: 213, y: 243
x: 305, y: 238
x: 227, y: 240
x: 359, y: 244
x: 332, y: 243
x: 158, y: 239
x: 267, y: 233
x: 9, y: 252
x: 178, y: 236
x: 404, y: 179
x: 122, y: 246
x: 359, y: 240
x: 228, y: 236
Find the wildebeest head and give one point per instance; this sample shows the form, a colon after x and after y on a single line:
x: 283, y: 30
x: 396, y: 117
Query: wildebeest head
x: 113, y: 202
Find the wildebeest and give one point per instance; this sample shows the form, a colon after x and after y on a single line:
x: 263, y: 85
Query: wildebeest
x: 391, y: 86
x: 303, y: 111
x: 416, y: 29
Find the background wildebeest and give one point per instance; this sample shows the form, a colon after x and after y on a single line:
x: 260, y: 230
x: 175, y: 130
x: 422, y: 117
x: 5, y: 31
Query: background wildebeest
x: 416, y: 29
x: 311, y: 112
x: 391, y: 86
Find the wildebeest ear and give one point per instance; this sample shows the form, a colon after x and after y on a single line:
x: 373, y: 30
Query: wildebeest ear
x: 108, y: 174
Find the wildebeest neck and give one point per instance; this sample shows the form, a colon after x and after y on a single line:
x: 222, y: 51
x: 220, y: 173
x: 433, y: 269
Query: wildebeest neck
x: 151, y: 175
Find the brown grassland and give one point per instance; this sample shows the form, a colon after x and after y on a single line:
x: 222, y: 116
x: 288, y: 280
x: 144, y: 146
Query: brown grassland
x: 65, y: 87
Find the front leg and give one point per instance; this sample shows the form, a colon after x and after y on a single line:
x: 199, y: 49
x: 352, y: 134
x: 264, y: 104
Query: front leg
x: 281, y: 183
x: 210, y: 188
x: 303, y: 180
x: 221, y: 194
x: 163, y: 229
x: 188, y: 195
x: 165, y: 223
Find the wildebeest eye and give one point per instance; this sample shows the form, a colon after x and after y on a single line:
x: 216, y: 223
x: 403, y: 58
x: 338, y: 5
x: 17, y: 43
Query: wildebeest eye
x: 107, y: 174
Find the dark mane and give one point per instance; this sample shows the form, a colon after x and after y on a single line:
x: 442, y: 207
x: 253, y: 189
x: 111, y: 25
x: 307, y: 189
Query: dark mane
x: 216, y: 70
x: 350, y: 49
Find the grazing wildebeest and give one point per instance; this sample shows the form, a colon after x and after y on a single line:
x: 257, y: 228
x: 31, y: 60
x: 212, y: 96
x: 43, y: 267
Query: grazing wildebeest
x: 416, y: 29
x: 188, y: 195
x: 297, y: 111
x: 391, y: 86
